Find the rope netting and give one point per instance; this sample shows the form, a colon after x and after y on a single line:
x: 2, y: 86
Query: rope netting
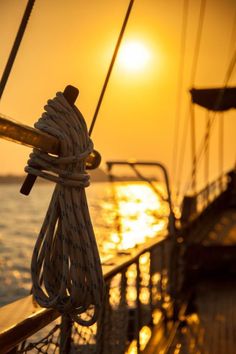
x: 66, y: 269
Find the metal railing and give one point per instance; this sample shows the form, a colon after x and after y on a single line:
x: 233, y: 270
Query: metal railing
x: 135, y: 165
x: 195, y: 204
x: 210, y: 192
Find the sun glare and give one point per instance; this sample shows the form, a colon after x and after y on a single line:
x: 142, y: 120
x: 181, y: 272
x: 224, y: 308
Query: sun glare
x: 134, y: 55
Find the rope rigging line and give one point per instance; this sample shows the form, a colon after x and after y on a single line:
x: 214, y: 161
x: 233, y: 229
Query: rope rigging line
x: 228, y: 75
x: 221, y: 147
x: 66, y: 269
x: 198, y: 41
x: 193, y: 146
x: 203, y: 143
x: 175, y: 153
x: 230, y: 71
x: 201, y: 151
x: 111, y: 66
x: 207, y: 148
x: 182, y: 154
x: 16, y: 45
x: 233, y: 35
x: 193, y: 74
x: 221, y: 116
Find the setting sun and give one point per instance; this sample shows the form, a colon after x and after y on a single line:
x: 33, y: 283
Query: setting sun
x: 134, y: 55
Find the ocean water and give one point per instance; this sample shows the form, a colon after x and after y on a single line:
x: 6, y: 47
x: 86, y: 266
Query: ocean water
x: 123, y: 215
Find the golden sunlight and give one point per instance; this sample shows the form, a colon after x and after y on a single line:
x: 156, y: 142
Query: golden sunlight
x: 141, y: 214
x: 134, y: 55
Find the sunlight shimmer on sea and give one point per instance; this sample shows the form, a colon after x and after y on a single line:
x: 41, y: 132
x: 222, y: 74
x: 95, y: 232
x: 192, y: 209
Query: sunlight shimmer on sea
x: 124, y: 215
x: 138, y: 214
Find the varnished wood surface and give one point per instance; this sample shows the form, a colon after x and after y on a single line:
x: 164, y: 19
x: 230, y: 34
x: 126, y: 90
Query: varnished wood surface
x: 24, y: 317
x: 21, y: 319
x: 28, y: 136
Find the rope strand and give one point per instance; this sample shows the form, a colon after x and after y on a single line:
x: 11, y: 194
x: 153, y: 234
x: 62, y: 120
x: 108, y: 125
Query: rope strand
x: 66, y: 269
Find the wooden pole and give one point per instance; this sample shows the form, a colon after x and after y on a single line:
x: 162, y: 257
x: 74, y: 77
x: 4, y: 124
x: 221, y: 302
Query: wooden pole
x: 32, y: 137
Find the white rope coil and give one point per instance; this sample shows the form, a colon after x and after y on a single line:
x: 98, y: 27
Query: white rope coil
x: 66, y: 268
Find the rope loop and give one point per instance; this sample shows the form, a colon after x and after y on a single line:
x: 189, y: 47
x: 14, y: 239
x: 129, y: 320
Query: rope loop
x: 66, y: 268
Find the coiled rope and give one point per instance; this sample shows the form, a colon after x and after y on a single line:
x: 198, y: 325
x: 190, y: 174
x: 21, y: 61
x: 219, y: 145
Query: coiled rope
x: 66, y: 269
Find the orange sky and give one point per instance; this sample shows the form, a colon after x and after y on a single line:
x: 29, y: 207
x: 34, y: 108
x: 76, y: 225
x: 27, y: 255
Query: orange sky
x: 71, y: 42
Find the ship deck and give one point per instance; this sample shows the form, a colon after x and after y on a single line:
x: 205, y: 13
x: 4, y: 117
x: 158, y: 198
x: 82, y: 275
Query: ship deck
x: 208, y: 324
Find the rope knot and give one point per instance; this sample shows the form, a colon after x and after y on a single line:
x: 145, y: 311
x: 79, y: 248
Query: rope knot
x: 68, y: 125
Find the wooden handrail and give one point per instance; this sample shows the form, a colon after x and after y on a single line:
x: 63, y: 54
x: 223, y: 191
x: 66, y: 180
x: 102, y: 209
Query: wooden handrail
x: 22, y: 318
x: 28, y: 136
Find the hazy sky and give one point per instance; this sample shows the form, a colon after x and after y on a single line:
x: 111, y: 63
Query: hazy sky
x: 71, y: 42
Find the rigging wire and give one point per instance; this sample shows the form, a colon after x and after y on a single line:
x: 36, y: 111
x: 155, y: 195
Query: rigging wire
x: 193, y: 74
x: 193, y: 147
x: 228, y: 76
x: 221, y: 148
x: 233, y: 35
x: 230, y: 70
x: 221, y: 116
x: 198, y: 41
x: 207, y: 149
x: 182, y: 153
x: 111, y: 66
x: 16, y: 45
x: 180, y: 87
x: 199, y: 154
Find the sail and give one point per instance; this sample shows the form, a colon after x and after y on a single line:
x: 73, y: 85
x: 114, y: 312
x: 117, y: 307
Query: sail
x: 215, y: 99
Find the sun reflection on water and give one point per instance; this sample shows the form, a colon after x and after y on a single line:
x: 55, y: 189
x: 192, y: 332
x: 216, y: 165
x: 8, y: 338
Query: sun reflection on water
x: 137, y: 214
x: 144, y: 336
x: 124, y: 215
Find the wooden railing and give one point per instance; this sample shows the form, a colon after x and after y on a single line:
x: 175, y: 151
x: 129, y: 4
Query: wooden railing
x: 138, y: 285
x: 28, y: 136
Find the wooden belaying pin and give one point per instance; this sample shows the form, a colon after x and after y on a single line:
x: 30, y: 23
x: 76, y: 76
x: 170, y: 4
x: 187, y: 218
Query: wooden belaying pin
x: 70, y: 93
